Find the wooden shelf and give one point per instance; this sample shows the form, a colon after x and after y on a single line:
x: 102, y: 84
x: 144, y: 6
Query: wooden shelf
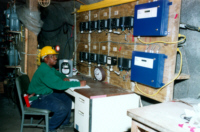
x: 182, y: 76
x: 18, y: 66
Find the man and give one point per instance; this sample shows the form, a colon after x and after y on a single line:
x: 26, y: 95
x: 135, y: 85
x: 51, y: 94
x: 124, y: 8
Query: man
x: 46, y: 84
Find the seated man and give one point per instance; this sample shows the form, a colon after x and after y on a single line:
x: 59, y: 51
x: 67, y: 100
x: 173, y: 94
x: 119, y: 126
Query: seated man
x: 47, y: 83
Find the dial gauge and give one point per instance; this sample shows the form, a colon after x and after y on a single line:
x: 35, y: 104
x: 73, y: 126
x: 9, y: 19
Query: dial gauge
x: 99, y: 74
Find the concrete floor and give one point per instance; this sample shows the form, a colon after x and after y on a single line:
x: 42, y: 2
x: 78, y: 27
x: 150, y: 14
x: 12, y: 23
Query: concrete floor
x: 10, y: 118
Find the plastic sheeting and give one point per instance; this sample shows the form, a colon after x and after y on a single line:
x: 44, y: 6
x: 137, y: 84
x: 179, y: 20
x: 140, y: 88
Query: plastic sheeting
x: 31, y: 19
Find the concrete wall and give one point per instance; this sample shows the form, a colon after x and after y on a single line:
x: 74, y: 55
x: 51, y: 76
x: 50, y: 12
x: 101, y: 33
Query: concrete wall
x: 190, y: 50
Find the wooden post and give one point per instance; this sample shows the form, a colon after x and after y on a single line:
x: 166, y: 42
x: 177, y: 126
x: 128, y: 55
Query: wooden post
x: 32, y: 43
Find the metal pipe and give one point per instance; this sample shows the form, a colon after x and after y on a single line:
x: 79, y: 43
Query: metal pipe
x: 75, y: 38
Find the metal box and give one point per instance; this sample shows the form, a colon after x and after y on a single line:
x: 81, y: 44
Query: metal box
x: 66, y: 67
x: 151, y: 19
x: 148, y: 68
x: 124, y: 64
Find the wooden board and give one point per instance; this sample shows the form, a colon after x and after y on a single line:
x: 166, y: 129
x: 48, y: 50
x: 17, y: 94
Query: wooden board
x: 122, y: 46
x: 99, y: 88
x: 163, y: 117
x: 32, y: 44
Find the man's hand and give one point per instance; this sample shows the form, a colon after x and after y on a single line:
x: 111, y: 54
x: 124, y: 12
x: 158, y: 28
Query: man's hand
x: 66, y: 79
x: 83, y: 83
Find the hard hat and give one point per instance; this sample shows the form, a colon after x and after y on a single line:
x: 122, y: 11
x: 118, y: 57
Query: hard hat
x: 47, y: 50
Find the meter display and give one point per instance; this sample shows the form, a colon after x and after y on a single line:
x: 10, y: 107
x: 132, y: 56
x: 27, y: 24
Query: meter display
x: 66, y: 67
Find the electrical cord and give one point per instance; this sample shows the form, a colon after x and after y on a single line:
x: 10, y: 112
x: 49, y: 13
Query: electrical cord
x: 179, y: 35
x: 166, y: 83
x: 190, y: 27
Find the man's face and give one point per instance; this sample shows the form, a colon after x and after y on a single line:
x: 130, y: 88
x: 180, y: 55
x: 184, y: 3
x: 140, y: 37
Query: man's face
x: 51, y: 60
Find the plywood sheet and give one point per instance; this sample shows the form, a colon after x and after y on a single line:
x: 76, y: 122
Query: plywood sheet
x: 122, y: 46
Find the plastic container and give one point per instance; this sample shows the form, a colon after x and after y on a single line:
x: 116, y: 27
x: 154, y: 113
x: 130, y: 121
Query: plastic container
x: 7, y: 15
x: 26, y: 100
x: 14, y: 21
x: 12, y: 56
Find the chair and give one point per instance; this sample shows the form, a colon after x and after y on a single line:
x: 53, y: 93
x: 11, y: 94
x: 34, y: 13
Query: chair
x: 22, y: 83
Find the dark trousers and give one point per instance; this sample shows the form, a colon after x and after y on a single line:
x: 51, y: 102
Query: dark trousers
x: 59, y: 104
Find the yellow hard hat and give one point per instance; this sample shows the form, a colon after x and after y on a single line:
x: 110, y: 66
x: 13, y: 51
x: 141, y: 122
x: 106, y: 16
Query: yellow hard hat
x: 47, y: 50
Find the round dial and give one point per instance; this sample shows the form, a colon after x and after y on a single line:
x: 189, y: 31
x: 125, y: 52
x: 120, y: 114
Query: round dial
x: 99, y: 74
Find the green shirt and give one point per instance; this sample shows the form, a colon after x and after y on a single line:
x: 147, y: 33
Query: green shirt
x: 45, y: 79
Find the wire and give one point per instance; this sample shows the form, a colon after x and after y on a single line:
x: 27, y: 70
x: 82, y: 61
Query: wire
x: 179, y: 35
x: 165, y: 84
x: 192, y: 27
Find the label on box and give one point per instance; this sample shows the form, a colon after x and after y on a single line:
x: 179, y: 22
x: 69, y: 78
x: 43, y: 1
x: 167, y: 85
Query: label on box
x: 95, y: 15
x: 103, y: 47
x: 105, y: 14
x: 147, y: 13
x: 86, y: 46
x: 114, y: 48
x: 94, y: 47
x: 144, y: 62
x: 86, y: 17
x: 108, y: 60
x: 116, y: 12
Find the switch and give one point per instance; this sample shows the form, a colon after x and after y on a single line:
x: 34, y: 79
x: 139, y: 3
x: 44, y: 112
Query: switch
x: 81, y: 27
x: 99, y: 25
x: 92, y: 25
x: 111, y: 60
x: 85, y: 56
x: 93, y: 57
x: 81, y: 56
x: 124, y: 64
x: 115, y: 23
x: 109, y: 25
x: 101, y: 59
x: 104, y: 24
x: 126, y: 23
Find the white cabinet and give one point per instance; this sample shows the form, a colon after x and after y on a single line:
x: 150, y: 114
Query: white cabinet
x: 81, y: 113
x: 104, y: 114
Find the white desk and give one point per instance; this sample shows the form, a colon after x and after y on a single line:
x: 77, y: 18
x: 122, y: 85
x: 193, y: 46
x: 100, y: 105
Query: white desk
x: 102, y: 107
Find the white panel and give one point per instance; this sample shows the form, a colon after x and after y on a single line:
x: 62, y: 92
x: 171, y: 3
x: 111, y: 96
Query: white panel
x: 105, y: 14
x: 103, y: 47
x: 114, y: 48
x: 109, y: 114
x: 108, y: 60
x: 144, y: 62
x: 147, y: 13
x: 116, y: 12
x: 95, y: 15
